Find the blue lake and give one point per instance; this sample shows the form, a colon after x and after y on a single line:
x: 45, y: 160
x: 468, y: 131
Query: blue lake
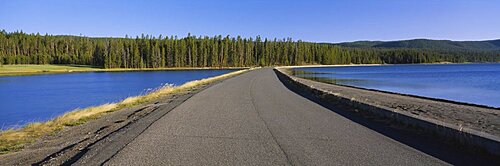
x: 469, y: 83
x: 25, y: 99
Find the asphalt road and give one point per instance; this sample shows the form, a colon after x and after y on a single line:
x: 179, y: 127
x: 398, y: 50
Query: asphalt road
x: 253, y: 119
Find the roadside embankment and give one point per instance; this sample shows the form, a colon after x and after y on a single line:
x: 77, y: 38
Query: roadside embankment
x: 469, y: 125
x: 18, y: 139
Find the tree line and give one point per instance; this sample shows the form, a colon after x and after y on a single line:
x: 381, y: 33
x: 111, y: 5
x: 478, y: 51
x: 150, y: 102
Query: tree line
x: 203, y: 51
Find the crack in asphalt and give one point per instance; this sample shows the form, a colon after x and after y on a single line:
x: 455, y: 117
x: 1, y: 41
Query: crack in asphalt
x: 82, y: 153
x: 252, y: 82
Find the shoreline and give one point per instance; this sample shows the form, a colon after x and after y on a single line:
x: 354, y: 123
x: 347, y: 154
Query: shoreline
x: 65, y: 69
x: 386, y: 64
x: 16, y: 139
x: 397, y: 93
x: 411, y: 95
x: 9, y: 70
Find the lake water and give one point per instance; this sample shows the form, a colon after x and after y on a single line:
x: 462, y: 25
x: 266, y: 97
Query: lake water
x: 25, y: 99
x: 469, y: 83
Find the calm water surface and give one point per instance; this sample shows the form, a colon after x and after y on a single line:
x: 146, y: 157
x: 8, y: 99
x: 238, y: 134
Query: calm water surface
x: 25, y: 99
x: 470, y: 83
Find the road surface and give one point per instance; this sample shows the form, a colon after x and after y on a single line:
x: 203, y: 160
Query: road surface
x: 253, y: 119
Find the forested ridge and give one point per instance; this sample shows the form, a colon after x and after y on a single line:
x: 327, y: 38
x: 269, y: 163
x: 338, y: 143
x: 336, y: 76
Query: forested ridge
x: 486, y: 45
x: 218, y: 51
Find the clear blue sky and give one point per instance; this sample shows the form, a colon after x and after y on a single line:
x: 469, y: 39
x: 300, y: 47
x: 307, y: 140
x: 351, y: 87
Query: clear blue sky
x: 309, y: 20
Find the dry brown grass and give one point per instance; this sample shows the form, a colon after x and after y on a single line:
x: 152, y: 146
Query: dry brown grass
x: 16, y: 139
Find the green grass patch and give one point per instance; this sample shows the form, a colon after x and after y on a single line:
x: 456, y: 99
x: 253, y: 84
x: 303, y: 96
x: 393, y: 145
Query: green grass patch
x: 22, y: 70
x: 15, y: 70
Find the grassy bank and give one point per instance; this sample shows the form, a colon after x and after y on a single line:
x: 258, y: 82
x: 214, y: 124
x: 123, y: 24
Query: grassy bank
x: 20, y: 70
x: 15, y: 70
x: 14, y: 140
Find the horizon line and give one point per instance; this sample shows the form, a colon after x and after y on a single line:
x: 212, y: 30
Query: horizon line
x: 253, y: 37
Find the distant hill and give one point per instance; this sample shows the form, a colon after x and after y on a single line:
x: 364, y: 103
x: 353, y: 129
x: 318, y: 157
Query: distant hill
x: 488, y: 45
